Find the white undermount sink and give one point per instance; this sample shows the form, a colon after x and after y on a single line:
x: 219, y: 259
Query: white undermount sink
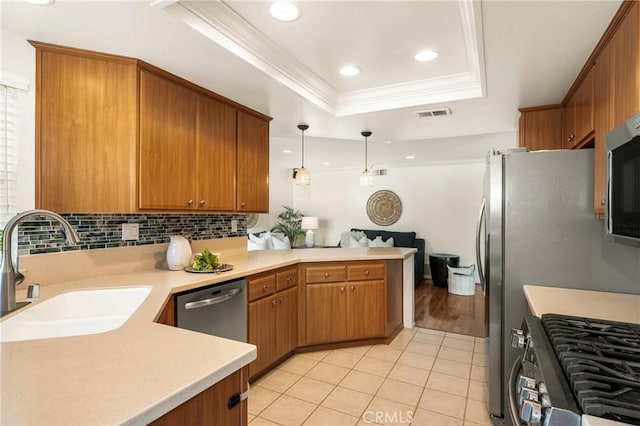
x: 75, y: 313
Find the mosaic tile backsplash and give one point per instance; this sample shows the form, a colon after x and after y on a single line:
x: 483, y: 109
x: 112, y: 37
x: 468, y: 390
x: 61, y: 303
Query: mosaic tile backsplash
x: 105, y: 230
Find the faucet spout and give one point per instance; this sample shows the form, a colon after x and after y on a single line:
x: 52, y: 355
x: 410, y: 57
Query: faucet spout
x: 9, y: 276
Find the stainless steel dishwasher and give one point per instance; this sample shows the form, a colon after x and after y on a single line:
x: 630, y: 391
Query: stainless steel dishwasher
x: 219, y: 310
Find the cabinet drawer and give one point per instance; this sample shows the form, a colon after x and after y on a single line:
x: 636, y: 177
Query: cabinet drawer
x: 260, y: 287
x: 365, y: 272
x: 286, y: 279
x: 325, y: 274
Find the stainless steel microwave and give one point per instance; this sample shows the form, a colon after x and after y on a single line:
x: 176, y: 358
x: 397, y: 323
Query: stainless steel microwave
x: 622, y: 208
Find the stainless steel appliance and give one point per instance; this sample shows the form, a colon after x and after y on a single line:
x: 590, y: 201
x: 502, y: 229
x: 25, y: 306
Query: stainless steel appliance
x: 576, y: 371
x: 538, y: 227
x: 622, y: 212
x: 219, y: 310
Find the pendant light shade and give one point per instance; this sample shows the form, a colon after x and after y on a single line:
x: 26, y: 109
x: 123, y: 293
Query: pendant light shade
x: 366, y: 179
x: 302, y: 174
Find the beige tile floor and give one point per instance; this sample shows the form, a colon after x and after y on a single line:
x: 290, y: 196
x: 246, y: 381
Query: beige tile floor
x: 424, y: 377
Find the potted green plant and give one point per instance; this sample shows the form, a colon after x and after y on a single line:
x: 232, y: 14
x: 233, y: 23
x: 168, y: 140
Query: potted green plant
x: 289, y: 224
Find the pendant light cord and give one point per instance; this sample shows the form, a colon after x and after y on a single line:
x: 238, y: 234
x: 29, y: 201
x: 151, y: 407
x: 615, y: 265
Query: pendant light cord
x: 365, y: 153
x: 303, y: 149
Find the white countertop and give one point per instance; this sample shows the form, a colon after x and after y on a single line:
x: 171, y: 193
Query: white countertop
x: 142, y: 370
x: 583, y: 303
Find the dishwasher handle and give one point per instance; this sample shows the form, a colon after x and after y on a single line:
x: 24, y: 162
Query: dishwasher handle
x: 222, y: 297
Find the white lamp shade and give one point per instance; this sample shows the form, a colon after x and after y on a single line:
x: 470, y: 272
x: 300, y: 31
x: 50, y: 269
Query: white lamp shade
x: 309, y: 222
x: 303, y: 177
x: 366, y: 179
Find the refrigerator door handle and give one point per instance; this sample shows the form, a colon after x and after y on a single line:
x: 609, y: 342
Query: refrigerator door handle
x: 481, y: 215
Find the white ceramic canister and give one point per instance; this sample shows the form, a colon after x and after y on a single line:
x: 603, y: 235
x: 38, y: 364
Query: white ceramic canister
x: 178, y: 253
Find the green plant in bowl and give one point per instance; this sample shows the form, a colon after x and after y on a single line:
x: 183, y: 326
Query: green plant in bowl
x: 205, y: 261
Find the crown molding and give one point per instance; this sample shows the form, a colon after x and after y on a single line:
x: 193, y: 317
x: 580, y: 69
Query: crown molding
x: 220, y: 23
x: 436, y: 90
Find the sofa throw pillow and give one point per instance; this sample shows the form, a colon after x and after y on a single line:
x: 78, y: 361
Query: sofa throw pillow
x: 280, y: 241
x: 402, y: 239
x: 263, y: 241
x: 256, y: 243
x: 377, y: 242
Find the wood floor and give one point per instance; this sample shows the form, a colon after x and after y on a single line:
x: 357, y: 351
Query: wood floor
x: 437, y: 309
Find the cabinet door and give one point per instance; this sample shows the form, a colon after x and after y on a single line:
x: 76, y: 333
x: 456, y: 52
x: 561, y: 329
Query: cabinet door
x: 603, y: 120
x: 262, y: 314
x: 584, y: 109
x: 210, y: 406
x: 627, y: 66
x: 215, y: 158
x: 252, y: 164
x: 167, y: 144
x: 85, y: 136
x: 286, y: 331
x: 366, y: 309
x: 326, y: 313
x: 569, y: 120
x: 541, y: 129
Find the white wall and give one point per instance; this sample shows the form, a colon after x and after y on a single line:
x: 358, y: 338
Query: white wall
x: 18, y: 58
x: 440, y: 203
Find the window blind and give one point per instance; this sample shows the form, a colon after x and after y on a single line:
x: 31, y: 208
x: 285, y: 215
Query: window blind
x: 8, y: 150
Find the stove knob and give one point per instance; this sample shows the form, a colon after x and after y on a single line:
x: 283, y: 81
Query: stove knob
x: 525, y: 382
x: 531, y: 412
x: 517, y: 339
x: 528, y: 393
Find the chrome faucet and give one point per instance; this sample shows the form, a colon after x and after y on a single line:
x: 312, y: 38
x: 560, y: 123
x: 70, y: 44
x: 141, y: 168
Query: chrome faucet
x: 9, y: 276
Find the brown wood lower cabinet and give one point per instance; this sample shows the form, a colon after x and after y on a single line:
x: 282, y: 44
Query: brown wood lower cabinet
x: 210, y: 406
x: 273, y: 319
x: 348, y: 310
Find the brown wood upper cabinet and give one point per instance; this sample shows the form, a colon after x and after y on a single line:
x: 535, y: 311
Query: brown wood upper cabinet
x: 187, y: 148
x: 578, y: 114
x: 114, y: 134
x: 541, y: 127
x: 253, y: 164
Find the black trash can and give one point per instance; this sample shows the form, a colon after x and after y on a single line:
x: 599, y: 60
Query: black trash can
x: 438, y: 264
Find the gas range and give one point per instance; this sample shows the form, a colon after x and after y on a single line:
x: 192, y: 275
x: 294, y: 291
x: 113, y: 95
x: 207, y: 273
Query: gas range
x: 576, y: 371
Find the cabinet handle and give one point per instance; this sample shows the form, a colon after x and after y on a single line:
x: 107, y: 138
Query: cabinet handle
x: 326, y: 275
x: 342, y: 289
x: 190, y: 202
x: 288, y: 279
x: 273, y: 302
x: 265, y: 287
x: 353, y: 288
x: 366, y: 272
x: 281, y: 299
x: 243, y: 204
x: 202, y: 203
x: 602, y: 202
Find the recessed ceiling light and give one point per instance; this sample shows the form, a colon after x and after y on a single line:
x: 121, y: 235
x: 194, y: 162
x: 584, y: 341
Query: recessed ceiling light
x: 326, y: 163
x: 287, y: 151
x: 387, y: 142
x: 426, y: 55
x: 40, y: 2
x: 349, y: 70
x: 410, y: 157
x: 284, y: 10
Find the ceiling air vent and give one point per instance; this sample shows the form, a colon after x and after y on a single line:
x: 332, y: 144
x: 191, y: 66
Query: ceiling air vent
x: 434, y: 113
x: 379, y: 172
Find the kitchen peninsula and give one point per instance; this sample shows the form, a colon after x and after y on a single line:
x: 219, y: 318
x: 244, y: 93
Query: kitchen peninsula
x: 142, y: 370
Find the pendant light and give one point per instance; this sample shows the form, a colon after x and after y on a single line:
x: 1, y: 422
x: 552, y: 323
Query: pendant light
x: 302, y: 174
x: 365, y: 177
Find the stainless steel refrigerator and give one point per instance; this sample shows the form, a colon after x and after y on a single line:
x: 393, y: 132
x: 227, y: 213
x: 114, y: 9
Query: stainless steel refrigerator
x: 537, y: 226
